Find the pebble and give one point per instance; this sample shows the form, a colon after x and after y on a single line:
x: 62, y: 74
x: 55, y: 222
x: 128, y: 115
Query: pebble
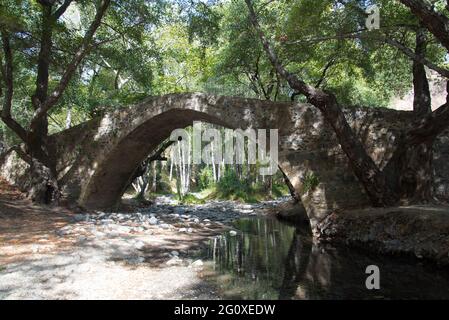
x: 136, y: 260
x: 153, y: 221
x: 139, y: 245
x: 197, y: 263
x: 174, y: 261
x: 79, y: 217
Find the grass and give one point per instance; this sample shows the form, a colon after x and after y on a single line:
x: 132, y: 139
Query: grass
x: 192, y: 199
x: 247, y: 195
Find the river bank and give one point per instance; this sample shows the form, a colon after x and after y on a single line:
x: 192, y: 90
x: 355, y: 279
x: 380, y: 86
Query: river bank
x: 217, y: 250
x: 152, y: 253
x: 415, y: 231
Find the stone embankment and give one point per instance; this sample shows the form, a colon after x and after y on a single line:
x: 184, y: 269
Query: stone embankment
x: 419, y: 231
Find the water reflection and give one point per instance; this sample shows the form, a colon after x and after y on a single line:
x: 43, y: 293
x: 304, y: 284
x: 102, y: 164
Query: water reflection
x: 268, y: 259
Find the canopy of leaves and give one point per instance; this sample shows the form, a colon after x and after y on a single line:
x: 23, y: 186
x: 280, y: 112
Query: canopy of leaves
x: 156, y: 47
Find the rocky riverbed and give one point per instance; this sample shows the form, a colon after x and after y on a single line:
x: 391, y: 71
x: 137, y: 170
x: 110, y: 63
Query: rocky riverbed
x: 150, y: 253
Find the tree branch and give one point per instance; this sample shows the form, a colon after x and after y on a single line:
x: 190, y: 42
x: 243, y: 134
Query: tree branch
x: 435, y: 22
x: 421, y: 100
x: 430, y: 126
x: 361, y: 34
x: 363, y: 165
x: 60, y: 11
x: 8, y: 79
x: 7, y: 73
x: 418, y: 58
x: 329, y: 64
x: 82, y: 51
x: 157, y: 155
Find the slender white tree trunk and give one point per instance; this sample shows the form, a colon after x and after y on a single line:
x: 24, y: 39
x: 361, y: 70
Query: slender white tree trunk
x: 68, y: 119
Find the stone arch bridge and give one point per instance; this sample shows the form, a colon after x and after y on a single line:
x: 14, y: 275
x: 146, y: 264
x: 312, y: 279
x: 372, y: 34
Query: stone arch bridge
x: 97, y: 158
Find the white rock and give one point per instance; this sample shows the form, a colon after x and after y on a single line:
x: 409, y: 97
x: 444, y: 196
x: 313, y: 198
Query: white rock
x: 153, y: 220
x: 174, y: 253
x: 232, y: 233
x: 139, y: 245
x: 174, y: 261
x: 197, y: 263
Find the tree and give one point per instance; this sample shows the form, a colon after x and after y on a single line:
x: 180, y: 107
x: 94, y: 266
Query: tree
x: 35, y: 138
x: 388, y: 186
x: 54, y: 69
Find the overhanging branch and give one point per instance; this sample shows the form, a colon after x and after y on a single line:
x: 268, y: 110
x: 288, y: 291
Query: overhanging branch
x: 7, y: 75
x: 435, y: 22
x: 363, y: 34
x: 82, y: 51
x: 60, y: 11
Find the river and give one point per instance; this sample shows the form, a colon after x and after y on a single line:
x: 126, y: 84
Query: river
x: 269, y: 259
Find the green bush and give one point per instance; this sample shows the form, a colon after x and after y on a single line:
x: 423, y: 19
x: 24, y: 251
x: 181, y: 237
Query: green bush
x: 232, y: 188
x: 310, y: 182
x: 192, y: 199
x: 205, y: 178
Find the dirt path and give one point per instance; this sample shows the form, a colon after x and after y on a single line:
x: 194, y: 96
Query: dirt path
x: 52, y: 253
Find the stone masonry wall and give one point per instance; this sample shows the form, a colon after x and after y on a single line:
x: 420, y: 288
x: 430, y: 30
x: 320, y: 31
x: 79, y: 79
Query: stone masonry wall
x: 98, y: 157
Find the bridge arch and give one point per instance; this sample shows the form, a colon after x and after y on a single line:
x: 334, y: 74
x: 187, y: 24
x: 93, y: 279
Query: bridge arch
x: 96, y: 159
x: 145, y: 126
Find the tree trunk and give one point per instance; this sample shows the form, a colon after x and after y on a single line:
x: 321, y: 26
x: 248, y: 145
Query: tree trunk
x: 154, y: 184
x: 410, y: 169
x: 292, y: 190
x: 44, y: 186
x: 416, y: 174
x: 367, y: 172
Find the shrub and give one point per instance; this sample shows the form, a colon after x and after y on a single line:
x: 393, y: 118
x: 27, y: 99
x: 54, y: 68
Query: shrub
x: 310, y: 182
x: 205, y: 178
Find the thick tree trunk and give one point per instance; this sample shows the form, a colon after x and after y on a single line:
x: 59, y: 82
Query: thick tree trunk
x: 416, y: 173
x: 410, y: 170
x: 40, y: 129
x: 421, y: 102
x: 44, y: 185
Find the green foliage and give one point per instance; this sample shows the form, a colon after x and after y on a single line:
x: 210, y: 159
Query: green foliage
x: 192, y: 199
x: 159, y: 47
x: 310, y: 182
x: 280, y: 190
x: 230, y: 187
x: 205, y: 178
